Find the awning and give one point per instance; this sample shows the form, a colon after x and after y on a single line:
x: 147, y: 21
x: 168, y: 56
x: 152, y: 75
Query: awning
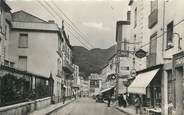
x: 141, y: 81
x: 108, y: 89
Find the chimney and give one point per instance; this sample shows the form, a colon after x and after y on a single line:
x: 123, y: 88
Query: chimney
x: 128, y: 16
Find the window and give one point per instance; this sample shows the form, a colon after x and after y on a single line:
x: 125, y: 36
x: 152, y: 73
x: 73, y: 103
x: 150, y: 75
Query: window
x: 171, y: 88
x: 135, y: 18
x: 23, y: 41
x: 169, y: 35
x: 154, y: 5
x: 22, y: 64
x: 153, y: 44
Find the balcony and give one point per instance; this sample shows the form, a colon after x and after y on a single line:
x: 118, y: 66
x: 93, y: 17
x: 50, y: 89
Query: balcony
x: 151, y: 60
x: 153, y: 18
x: 59, y: 52
x: 68, y: 67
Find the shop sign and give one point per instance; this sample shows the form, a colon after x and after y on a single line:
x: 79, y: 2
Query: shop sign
x: 140, y: 53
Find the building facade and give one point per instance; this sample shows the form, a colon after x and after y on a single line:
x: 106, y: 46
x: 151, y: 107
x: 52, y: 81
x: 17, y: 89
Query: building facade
x: 28, y: 48
x: 67, y: 66
x: 95, y: 84
x: 5, y: 25
x: 160, y: 31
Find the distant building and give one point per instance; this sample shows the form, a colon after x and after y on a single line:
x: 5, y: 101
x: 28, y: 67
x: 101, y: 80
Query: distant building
x: 95, y: 83
x: 76, y: 80
x: 109, y: 77
x: 84, y: 87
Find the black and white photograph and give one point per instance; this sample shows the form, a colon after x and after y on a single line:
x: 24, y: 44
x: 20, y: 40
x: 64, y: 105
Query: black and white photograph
x: 91, y: 57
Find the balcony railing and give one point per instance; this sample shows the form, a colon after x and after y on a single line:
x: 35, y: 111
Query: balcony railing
x: 68, y: 67
x: 151, y: 60
x: 153, y: 18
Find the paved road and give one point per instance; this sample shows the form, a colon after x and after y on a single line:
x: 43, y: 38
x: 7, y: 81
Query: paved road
x: 86, y: 106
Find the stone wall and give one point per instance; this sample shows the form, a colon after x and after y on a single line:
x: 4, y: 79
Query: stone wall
x: 26, y: 107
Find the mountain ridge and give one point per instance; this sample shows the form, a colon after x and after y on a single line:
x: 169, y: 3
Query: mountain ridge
x: 91, y: 61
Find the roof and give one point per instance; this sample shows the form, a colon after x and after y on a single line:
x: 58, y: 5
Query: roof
x: 22, y: 16
x: 5, y: 5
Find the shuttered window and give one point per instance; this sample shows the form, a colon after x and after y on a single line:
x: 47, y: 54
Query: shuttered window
x: 23, y: 62
x: 23, y: 41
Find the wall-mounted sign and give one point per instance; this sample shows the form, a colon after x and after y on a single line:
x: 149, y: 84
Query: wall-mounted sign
x: 133, y: 73
x: 123, y: 53
x: 140, y: 53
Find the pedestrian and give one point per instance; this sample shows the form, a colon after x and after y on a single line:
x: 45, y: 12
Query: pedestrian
x: 109, y: 101
x: 138, y: 104
x: 119, y: 100
x: 64, y: 98
x: 123, y: 100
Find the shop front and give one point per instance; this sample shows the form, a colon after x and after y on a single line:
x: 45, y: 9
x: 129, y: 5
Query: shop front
x: 147, y: 85
x: 178, y: 68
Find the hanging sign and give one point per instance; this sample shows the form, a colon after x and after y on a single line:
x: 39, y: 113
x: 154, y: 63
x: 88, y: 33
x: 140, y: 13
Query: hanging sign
x: 140, y: 53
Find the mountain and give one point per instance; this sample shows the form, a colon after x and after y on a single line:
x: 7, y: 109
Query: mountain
x: 91, y: 61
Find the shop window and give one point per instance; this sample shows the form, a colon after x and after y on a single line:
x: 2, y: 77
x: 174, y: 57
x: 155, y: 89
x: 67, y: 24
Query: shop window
x: 169, y: 35
x: 171, y: 88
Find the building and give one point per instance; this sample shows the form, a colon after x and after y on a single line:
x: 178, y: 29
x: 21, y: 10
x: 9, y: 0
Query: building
x: 76, y: 80
x: 162, y: 30
x: 67, y: 65
x: 84, y: 87
x: 125, y: 61
x: 108, y: 76
x: 5, y: 25
x: 28, y: 48
x: 95, y: 84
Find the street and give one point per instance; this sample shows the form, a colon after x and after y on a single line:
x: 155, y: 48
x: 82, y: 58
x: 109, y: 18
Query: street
x: 87, y: 106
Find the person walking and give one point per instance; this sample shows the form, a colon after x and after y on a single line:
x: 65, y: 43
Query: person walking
x: 64, y: 98
x: 109, y: 101
x: 138, y: 104
x: 123, y: 101
x: 119, y: 100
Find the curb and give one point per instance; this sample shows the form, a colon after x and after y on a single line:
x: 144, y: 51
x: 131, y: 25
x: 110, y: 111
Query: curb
x: 56, y: 109
x: 123, y: 111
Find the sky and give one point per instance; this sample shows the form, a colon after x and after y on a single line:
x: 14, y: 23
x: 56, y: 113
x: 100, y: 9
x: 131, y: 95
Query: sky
x: 92, y: 22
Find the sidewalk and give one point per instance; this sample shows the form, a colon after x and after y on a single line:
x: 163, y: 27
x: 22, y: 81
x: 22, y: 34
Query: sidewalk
x: 130, y: 110
x: 51, y: 108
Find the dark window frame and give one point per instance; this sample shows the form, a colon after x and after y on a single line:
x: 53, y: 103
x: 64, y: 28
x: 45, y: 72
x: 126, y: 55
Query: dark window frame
x: 169, y: 38
x: 19, y: 40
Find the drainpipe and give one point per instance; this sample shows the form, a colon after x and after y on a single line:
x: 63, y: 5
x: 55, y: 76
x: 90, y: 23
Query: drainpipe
x: 163, y: 30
